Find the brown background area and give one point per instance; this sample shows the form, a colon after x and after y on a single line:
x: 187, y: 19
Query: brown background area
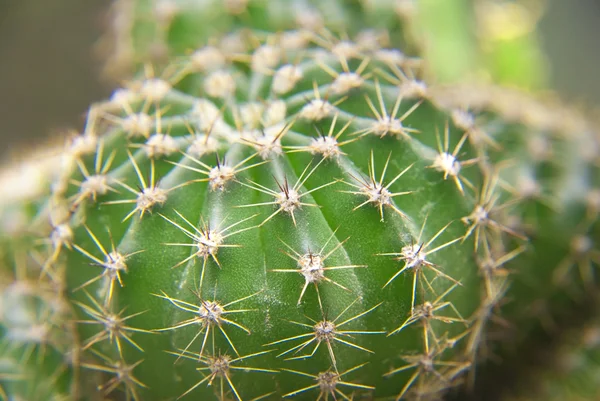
x: 49, y: 73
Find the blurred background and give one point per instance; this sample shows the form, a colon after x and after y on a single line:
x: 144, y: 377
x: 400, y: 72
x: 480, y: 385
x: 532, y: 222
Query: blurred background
x: 49, y: 72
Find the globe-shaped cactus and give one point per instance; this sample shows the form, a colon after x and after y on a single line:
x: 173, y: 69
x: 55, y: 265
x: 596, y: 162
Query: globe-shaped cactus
x: 291, y: 214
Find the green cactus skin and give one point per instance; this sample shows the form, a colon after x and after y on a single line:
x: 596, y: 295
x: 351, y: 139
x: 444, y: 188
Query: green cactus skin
x: 497, y: 41
x: 157, y: 30
x: 303, y: 222
x: 570, y: 371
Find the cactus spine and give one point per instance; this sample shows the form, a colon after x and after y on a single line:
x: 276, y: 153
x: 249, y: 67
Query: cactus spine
x: 290, y: 214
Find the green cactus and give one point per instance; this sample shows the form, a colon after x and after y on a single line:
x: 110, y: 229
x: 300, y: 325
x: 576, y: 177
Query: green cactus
x: 295, y: 214
x: 567, y: 367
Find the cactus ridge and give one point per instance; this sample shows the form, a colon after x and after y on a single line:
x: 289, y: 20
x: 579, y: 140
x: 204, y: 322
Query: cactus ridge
x: 231, y: 168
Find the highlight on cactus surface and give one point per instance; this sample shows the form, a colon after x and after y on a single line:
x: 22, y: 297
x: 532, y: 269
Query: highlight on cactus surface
x: 286, y: 208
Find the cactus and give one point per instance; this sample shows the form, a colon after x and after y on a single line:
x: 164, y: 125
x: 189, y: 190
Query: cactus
x: 297, y: 214
x: 569, y: 368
